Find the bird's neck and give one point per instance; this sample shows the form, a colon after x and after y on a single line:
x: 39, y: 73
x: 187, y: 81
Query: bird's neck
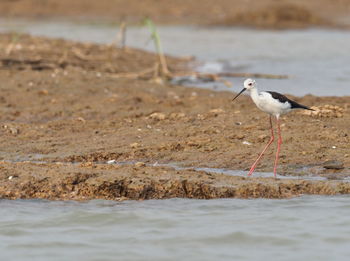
x: 254, y: 93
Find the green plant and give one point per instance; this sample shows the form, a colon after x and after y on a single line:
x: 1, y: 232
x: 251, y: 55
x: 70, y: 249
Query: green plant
x: 155, y: 37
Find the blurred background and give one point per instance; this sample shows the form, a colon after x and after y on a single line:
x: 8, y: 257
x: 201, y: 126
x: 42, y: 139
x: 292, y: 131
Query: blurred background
x: 307, y: 41
x: 264, y: 13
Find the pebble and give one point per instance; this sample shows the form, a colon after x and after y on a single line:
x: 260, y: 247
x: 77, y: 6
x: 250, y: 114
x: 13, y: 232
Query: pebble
x: 240, y: 136
x: 262, y: 137
x: 81, y: 119
x: 327, y: 111
x: 200, y: 117
x: 11, y: 130
x: 140, y: 164
x: 134, y: 145
x: 333, y: 164
x: 43, y: 92
x: 14, y: 131
x: 217, y: 111
x: 157, y: 116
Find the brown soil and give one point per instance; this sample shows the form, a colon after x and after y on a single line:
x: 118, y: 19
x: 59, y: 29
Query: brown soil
x: 117, y: 182
x: 66, y: 102
x: 262, y: 13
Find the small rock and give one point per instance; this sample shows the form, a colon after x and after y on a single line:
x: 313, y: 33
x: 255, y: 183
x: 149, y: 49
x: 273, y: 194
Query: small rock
x: 200, y: 117
x: 140, y: 164
x: 247, y: 143
x: 240, y: 136
x: 14, y: 131
x: 43, y: 92
x: 88, y: 164
x: 11, y: 129
x: 329, y: 111
x: 262, y: 137
x: 158, y: 80
x: 81, y: 119
x: 134, y: 145
x: 157, y: 116
x: 333, y: 164
x: 217, y: 111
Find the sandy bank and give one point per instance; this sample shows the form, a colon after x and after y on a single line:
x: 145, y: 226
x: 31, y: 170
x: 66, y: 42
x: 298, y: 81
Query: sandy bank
x: 61, y: 101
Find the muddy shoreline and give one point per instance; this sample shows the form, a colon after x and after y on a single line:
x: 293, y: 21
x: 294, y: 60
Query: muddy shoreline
x: 64, y: 102
x: 117, y: 182
x: 266, y: 14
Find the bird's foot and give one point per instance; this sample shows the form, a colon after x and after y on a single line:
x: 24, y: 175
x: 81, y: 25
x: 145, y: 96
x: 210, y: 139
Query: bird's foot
x: 275, y: 174
x: 251, y: 172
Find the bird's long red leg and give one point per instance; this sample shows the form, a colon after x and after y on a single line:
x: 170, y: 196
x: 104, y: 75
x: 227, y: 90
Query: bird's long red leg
x: 278, y: 146
x: 262, y: 153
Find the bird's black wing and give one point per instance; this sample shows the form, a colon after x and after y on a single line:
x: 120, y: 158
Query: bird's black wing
x: 283, y: 99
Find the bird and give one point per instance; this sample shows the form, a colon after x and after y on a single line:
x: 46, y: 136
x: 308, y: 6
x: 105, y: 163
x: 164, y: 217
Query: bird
x: 274, y: 104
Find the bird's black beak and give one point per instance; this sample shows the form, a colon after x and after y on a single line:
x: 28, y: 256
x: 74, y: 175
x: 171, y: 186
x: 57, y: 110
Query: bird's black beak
x: 239, y: 93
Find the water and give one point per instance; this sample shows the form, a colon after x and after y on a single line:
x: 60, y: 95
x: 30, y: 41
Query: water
x: 316, y: 60
x: 304, y: 228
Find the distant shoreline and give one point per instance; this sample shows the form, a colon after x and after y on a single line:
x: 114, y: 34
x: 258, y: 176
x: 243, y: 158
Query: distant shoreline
x: 264, y: 14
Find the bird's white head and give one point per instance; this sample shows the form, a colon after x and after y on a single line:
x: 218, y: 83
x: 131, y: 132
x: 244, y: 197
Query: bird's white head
x: 249, y: 84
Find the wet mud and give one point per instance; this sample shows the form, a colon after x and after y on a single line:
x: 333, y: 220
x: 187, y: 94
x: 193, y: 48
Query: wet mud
x: 69, y: 102
x: 120, y: 182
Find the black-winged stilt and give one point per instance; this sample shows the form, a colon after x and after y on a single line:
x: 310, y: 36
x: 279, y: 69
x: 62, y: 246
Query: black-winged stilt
x: 275, y: 104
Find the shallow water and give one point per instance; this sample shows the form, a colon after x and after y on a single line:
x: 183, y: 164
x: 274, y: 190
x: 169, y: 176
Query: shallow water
x: 304, y: 228
x: 316, y: 60
x: 38, y: 159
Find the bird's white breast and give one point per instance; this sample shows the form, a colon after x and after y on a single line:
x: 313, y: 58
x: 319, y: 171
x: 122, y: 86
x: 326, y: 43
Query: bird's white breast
x: 265, y: 102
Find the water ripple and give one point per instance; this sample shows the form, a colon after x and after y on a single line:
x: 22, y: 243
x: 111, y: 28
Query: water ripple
x: 176, y: 229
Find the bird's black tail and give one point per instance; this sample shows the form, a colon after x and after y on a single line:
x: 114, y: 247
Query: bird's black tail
x: 296, y: 105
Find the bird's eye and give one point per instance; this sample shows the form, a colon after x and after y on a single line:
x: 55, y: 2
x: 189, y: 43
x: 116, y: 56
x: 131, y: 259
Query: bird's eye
x: 250, y: 84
